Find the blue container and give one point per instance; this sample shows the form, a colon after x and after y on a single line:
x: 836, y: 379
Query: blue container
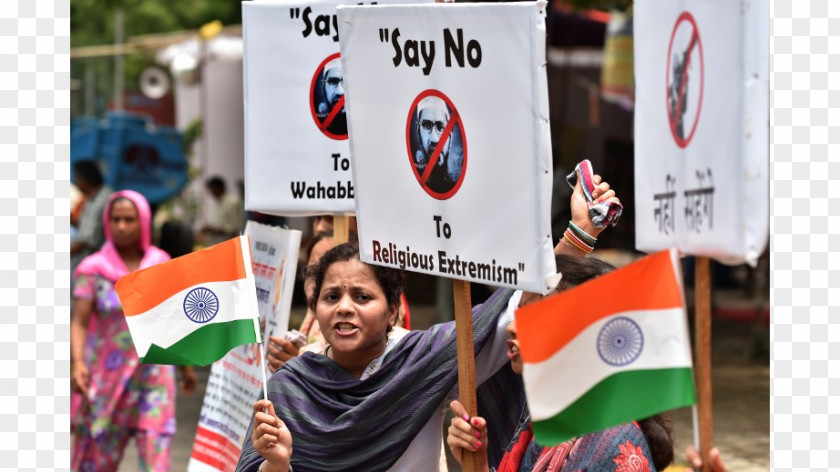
x: 133, y: 153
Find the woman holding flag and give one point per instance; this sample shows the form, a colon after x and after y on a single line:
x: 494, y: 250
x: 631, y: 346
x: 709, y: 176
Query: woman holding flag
x: 373, y: 402
x: 114, y: 396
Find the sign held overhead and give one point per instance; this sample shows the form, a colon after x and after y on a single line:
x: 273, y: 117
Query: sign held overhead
x: 297, y: 158
x: 442, y: 186
x: 702, y: 140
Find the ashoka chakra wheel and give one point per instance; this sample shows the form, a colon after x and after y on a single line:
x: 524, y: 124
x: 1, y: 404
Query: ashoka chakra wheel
x: 201, y: 305
x: 620, y: 341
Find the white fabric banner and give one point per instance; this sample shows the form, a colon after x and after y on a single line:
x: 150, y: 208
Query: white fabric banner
x: 449, y: 134
x: 297, y: 160
x: 702, y: 127
x: 235, y: 381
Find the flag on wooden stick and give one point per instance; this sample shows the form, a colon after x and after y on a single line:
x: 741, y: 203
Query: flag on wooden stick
x: 612, y: 350
x: 193, y: 309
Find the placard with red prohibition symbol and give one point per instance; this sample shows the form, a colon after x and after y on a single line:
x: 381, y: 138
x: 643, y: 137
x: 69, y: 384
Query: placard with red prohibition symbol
x: 449, y: 134
x: 297, y: 160
x: 702, y: 123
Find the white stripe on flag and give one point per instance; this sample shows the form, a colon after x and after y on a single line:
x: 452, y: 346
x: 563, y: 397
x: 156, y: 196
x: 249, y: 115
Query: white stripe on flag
x: 168, y: 323
x: 572, y: 371
x: 254, y: 309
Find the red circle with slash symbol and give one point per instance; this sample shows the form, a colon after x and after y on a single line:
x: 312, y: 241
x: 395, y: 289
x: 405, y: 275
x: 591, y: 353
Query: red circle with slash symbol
x: 436, y: 144
x: 679, y: 103
x: 330, y: 118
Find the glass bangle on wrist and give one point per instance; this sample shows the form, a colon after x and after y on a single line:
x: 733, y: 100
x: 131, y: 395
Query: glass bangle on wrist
x: 571, y: 238
x: 583, y: 235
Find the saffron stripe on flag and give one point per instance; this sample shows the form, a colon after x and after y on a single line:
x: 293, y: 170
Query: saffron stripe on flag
x: 664, y: 389
x: 662, y: 344
x: 652, y: 289
x: 153, y: 285
x: 623, y: 352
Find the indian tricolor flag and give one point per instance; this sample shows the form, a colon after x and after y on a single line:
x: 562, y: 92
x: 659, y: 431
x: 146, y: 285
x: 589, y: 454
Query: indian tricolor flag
x: 193, y: 309
x: 609, y: 351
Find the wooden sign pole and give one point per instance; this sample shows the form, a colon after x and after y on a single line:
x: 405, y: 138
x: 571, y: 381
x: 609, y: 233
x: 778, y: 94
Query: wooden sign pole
x: 466, y: 360
x: 341, y: 229
x: 703, y: 358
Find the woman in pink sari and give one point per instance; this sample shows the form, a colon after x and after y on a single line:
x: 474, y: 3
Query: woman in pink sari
x: 114, y: 396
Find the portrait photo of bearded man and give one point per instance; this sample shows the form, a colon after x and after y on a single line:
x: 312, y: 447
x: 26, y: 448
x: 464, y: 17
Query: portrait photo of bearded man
x: 432, y: 117
x: 331, y: 90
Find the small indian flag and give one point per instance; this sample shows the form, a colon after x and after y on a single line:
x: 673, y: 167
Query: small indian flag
x: 609, y: 351
x: 193, y: 309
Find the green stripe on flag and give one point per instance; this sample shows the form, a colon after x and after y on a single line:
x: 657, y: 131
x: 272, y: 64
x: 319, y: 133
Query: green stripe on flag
x: 619, y: 398
x: 204, y: 345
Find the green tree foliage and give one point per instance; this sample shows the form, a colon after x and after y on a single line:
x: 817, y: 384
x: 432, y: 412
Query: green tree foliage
x: 92, y: 21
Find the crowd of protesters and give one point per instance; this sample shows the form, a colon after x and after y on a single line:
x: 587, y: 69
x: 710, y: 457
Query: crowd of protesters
x: 364, y: 392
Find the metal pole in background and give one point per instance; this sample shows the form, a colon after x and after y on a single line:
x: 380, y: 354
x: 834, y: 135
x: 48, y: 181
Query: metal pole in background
x: 119, y: 82
x: 89, y: 88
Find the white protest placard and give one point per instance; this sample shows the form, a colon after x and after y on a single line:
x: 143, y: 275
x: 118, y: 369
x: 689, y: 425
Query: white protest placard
x: 449, y: 134
x: 235, y: 381
x: 702, y: 127
x: 274, y: 254
x: 297, y: 160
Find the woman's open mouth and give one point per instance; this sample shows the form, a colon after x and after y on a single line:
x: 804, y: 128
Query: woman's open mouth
x: 513, y: 349
x: 345, y: 329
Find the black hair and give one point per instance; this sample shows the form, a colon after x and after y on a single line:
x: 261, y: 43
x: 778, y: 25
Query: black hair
x: 389, y: 279
x: 659, y: 432
x: 305, y: 269
x: 658, y: 429
x: 216, y: 182
x: 578, y: 270
x: 176, y: 238
x: 88, y: 171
